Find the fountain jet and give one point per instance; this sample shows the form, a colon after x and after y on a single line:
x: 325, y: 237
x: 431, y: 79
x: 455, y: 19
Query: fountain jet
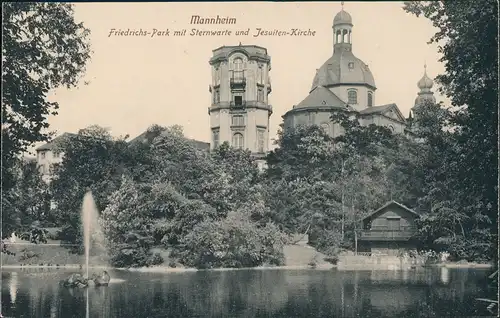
x: 89, y: 218
x: 93, y: 237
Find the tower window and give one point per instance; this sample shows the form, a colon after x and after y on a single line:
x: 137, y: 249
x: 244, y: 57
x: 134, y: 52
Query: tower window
x: 338, y: 36
x: 238, y: 64
x: 260, y: 140
x: 215, y: 137
x: 217, y: 76
x: 370, y: 99
x: 260, y: 74
x: 260, y: 94
x: 238, y: 100
x: 238, y: 141
x: 238, y: 120
x: 352, y: 97
x: 351, y: 65
x: 216, y: 96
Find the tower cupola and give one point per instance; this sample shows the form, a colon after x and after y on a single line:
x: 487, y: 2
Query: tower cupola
x: 425, y: 85
x: 342, y: 31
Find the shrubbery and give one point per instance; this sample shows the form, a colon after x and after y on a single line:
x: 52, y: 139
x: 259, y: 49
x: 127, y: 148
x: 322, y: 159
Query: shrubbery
x: 235, y: 241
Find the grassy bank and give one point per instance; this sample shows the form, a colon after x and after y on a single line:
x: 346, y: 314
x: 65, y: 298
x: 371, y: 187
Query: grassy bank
x: 28, y: 254
x: 52, y: 254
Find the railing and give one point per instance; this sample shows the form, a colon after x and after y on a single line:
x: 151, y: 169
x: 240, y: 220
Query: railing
x: 237, y: 78
x: 387, y: 234
x: 367, y: 254
x: 387, y: 228
x: 236, y: 105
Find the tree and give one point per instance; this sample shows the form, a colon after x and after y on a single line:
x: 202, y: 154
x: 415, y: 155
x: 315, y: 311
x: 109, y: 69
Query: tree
x: 93, y: 160
x: 235, y: 241
x: 324, y: 185
x: 239, y: 166
x: 467, y: 37
x: 302, y: 153
x: 27, y: 202
x: 43, y: 48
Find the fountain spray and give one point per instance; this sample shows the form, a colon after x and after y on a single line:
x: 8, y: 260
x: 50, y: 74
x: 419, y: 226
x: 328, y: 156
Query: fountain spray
x: 89, y: 212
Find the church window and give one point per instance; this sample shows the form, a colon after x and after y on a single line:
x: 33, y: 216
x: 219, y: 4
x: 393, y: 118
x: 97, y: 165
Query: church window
x: 238, y: 120
x: 370, y: 99
x: 215, y: 137
x: 352, y: 97
x: 238, y: 141
x: 391, y: 127
x: 260, y: 140
x: 345, y: 36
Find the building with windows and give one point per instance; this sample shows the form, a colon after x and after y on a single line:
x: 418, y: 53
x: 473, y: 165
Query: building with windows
x: 344, y: 82
x: 240, y: 110
x: 47, y: 155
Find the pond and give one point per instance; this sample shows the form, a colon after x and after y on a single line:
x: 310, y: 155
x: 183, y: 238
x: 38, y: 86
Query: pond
x: 251, y: 293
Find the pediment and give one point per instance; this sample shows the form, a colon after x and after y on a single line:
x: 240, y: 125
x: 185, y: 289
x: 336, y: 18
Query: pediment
x: 393, y: 112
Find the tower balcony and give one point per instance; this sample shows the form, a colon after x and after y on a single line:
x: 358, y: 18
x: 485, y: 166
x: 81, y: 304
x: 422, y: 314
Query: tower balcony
x: 237, y: 79
x: 238, y: 104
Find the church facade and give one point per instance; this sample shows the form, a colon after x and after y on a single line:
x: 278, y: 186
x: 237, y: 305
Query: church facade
x: 344, y: 82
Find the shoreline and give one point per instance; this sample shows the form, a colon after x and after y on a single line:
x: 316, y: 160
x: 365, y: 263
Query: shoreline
x: 166, y: 269
x: 159, y: 269
x: 463, y: 265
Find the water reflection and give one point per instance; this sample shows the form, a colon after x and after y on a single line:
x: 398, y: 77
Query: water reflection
x: 13, y: 287
x: 445, y: 275
x: 258, y: 293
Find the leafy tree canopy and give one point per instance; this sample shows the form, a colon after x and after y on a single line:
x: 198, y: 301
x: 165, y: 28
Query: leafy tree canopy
x: 43, y: 48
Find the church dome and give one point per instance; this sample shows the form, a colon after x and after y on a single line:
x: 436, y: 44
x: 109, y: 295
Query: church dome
x: 343, y: 17
x: 424, y: 98
x: 343, y: 68
x: 425, y: 82
x: 425, y: 95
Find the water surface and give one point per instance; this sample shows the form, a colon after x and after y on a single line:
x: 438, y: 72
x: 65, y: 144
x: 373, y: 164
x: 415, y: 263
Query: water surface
x: 251, y: 293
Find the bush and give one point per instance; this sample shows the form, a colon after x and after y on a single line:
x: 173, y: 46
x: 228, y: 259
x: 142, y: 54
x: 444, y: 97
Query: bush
x: 134, y: 256
x: 155, y: 259
x: 234, y: 242
x: 328, y: 242
x: 331, y: 259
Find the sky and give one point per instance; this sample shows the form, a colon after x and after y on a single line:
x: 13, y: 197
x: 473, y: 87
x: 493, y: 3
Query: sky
x: 135, y: 82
